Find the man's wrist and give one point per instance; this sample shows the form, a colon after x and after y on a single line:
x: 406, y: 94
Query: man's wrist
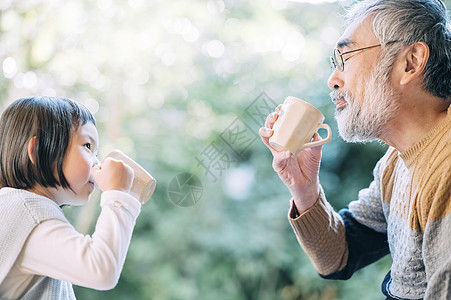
x: 305, y: 201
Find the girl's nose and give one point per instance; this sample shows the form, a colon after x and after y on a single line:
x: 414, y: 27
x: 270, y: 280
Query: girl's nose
x: 96, y: 162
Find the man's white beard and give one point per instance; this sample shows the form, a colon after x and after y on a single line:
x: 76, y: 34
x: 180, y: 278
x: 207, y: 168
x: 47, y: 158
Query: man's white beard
x: 367, y: 122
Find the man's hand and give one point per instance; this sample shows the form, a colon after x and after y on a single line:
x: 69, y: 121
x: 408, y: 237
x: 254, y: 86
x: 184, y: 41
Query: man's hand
x: 299, y: 173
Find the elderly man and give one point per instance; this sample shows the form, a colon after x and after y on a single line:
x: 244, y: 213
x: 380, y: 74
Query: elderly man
x: 392, y: 82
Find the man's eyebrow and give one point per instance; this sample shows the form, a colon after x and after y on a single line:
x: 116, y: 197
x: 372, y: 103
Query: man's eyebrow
x: 345, y: 43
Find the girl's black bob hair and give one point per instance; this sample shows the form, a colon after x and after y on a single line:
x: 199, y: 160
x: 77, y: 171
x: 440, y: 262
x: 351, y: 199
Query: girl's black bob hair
x: 51, y: 120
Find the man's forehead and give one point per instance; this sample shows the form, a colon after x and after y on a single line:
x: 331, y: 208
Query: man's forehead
x: 357, y: 33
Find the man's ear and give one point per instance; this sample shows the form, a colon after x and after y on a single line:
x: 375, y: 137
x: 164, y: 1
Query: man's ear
x: 31, y: 146
x: 414, y: 60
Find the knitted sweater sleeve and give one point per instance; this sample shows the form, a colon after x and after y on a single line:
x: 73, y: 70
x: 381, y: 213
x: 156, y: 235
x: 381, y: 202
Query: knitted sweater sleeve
x: 341, y: 243
x: 436, y: 237
x: 439, y: 286
x: 320, y: 232
x: 55, y: 249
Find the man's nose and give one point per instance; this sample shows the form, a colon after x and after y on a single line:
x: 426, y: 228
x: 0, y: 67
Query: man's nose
x: 335, y: 81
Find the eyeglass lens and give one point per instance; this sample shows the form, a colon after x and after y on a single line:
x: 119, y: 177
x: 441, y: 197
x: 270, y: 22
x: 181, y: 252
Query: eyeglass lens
x: 338, y: 60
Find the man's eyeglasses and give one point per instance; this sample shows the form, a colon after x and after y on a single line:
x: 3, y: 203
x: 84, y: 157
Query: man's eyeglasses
x: 337, y: 61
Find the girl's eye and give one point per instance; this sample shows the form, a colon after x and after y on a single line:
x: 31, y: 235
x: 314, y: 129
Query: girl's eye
x: 88, y: 145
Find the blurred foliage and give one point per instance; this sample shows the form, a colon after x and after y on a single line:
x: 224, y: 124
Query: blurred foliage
x: 165, y: 80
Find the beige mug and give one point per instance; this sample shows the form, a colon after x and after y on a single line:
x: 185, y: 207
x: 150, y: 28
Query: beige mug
x: 297, y: 123
x: 143, y: 184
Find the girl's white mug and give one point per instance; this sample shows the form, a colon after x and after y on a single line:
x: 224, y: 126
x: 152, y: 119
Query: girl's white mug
x: 297, y: 123
x: 143, y: 183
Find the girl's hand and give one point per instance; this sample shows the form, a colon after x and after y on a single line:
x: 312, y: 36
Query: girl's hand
x: 299, y: 173
x: 113, y: 175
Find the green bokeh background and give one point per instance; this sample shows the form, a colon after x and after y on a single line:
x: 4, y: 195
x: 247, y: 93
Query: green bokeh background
x: 170, y: 81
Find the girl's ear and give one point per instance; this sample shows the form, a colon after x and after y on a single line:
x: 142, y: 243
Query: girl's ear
x: 31, y: 146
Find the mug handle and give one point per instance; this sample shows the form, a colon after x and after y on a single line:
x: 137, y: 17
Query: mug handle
x: 322, y: 141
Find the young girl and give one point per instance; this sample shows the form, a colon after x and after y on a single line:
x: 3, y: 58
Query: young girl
x: 48, y: 158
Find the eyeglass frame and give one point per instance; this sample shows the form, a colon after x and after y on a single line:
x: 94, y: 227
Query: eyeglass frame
x: 334, y: 64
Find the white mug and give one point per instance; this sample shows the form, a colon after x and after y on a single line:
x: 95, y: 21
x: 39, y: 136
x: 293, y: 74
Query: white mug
x: 143, y: 183
x: 297, y: 123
